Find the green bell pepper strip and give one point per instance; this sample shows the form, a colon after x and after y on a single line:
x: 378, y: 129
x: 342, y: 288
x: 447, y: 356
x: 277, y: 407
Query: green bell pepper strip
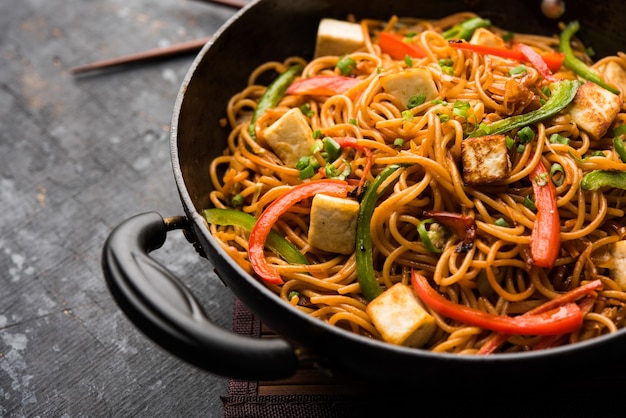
x: 364, y: 254
x: 620, y: 148
x: 598, y: 179
x: 275, y: 241
x: 273, y: 94
x: 465, y: 30
x: 563, y: 92
x: 574, y: 63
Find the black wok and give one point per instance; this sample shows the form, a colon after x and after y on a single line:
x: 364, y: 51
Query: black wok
x: 161, y: 306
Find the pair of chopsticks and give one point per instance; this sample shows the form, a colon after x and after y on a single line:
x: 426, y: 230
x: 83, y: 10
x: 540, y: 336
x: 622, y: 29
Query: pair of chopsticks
x: 157, y: 53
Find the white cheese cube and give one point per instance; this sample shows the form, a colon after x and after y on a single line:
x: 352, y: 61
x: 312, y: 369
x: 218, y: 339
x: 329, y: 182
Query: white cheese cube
x: 618, y: 271
x: 338, y: 37
x: 482, y: 36
x: 594, y: 109
x: 408, y: 83
x: 333, y: 224
x: 290, y: 137
x: 615, y: 74
x: 485, y: 159
x: 485, y: 37
x: 399, y: 317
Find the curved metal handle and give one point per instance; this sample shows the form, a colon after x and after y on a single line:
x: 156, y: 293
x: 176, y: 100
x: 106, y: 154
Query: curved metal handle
x: 163, y: 308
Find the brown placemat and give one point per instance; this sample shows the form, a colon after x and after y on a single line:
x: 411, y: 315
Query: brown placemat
x: 309, y: 393
x: 313, y: 393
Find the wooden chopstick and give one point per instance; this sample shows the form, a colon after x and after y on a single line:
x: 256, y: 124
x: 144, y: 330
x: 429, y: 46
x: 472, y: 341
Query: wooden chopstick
x: 177, y: 49
x: 157, y: 53
x: 229, y: 3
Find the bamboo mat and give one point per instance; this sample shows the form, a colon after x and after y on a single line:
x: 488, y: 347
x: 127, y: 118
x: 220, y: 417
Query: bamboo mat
x: 313, y: 393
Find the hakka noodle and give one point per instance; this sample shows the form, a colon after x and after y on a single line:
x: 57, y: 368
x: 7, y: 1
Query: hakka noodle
x: 478, y: 173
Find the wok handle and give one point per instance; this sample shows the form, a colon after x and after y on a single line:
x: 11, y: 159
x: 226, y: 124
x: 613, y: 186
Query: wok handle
x: 163, y: 308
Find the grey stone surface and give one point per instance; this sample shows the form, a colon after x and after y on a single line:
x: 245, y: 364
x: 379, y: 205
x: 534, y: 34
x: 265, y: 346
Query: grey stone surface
x: 78, y: 155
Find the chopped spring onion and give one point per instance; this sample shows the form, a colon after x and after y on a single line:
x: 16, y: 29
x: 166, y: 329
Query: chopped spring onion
x: 237, y: 201
x: 526, y: 134
x: 558, y: 139
x: 519, y: 70
x: 460, y: 108
x: 415, y: 101
x: 333, y: 173
x: 346, y: 65
x: 557, y: 174
x: 502, y: 222
x: 407, y: 116
x: 332, y: 148
x: 306, y: 110
x: 530, y: 203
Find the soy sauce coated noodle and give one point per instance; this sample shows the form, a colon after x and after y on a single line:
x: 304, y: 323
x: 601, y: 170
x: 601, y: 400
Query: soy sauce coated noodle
x: 427, y: 141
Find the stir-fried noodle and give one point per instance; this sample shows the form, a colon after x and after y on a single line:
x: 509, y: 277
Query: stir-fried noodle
x: 496, y: 272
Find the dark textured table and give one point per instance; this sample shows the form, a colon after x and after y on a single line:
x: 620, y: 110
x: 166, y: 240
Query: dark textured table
x: 78, y: 155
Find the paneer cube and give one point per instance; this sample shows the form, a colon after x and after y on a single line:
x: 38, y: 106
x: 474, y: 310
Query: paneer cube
x: 618, y: 271
x: 290, y: 137
x: 615, y: 74
x: 408, y: 83
x: 594, y: 109
x: 485, y: 37
x: 482, y: 36
x: 333, y: 224
x: 485, y: 159
x: 338, y: 37
x: 399, y: 317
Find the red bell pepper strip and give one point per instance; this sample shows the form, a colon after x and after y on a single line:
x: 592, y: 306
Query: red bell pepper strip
x: 549, y: 341
x: 397, y: 48
x: 497, y: 340
x: 352, y: 142
x: 568, y: 297
x: 278, y: 207
x: 322, y: 85
x: 545, y: 238
x: 536, y: 60
x: 553, y: 60
x: 561, y: 320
